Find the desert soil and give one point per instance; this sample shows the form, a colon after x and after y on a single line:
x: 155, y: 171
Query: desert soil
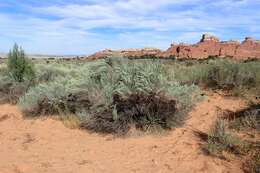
x: 45, y: 145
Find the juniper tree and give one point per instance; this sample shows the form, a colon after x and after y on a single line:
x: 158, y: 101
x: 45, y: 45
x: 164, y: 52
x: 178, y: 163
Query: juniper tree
x: 19, y: 66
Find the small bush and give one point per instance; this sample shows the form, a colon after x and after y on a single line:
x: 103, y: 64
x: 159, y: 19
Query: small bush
x: 144, y: 111
x: 19, y: 67
x: 246, y: 119
x: 48, y: 73
x: 46, y: 98
x: 220, y: 140
x: 10, y: 90
x: 3, y: 70
x: 129, y: 84
x: 218, y: 73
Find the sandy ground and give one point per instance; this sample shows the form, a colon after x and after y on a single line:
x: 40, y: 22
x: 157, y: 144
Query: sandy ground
x: 46, y: 146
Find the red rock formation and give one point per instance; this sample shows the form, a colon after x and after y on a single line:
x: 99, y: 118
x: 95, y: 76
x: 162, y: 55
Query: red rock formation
x: 100, y: 54
x: 140, y: 52
x: 207, y: 46
x: 211, y: 46
x: 125, y: 53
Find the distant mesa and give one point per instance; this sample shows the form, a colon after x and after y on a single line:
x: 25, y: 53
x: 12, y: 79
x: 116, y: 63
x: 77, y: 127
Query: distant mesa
x: 208, y: 46
x: 125, y: 53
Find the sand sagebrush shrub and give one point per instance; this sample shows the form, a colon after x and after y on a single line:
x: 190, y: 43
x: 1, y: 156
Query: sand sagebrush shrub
x: 48, y: 73
x: 246, y: 119
x: 46, y: 98
x: 51, y: 97
x: 103, y: 89
x: 10, y: 90
x: 142, y: 87
x: 145, y: 111
x: 5, y: 84
x: 219, y: 139
x: 218, y: 73
x: 231, y: 74
x: 3, y: 70
x: 19, y: 66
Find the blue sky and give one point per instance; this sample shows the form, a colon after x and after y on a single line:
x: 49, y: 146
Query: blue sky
x: 86, y: 26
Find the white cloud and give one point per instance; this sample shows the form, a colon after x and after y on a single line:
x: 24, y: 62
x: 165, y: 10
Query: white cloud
x: 150, y: 14
x: 71, y: 27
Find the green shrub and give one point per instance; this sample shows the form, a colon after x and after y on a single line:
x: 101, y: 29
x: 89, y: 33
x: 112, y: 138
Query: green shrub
x: 10, y: 90
x: 246, y: 119
x: 16, y: 76
x: 49, y: 72
x: 144, y: 111
x: 99, y: 90
x: 19, y: 66
x: 220, y: 140
x: 218, y: 74
x: 46, y: 98
x: 3, y: 70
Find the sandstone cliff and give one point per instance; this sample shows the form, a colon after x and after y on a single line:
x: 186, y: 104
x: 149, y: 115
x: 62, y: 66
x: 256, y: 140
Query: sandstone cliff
x: 207, y: 46
x: 211, y: 46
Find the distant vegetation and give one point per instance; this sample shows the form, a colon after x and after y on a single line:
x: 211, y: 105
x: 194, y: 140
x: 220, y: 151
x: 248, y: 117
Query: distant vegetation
x: 219, y: 73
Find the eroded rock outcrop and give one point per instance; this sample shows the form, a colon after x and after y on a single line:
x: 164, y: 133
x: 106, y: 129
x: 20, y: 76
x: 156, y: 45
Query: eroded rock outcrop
x: 211, y: 46
x: 125, y: 53
x: 207, y: 46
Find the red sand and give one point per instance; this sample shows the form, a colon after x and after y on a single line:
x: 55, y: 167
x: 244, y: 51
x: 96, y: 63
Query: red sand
x: 46, y: 146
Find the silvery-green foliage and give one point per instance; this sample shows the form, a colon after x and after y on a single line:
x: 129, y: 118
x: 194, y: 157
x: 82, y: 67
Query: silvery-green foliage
x: 186, y: 95
x: 101, y: 80
x: 4, y: 81
x: 218, y: 73
x: 140, y: 78
x: 52, y: 91
x: 3, y: 69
